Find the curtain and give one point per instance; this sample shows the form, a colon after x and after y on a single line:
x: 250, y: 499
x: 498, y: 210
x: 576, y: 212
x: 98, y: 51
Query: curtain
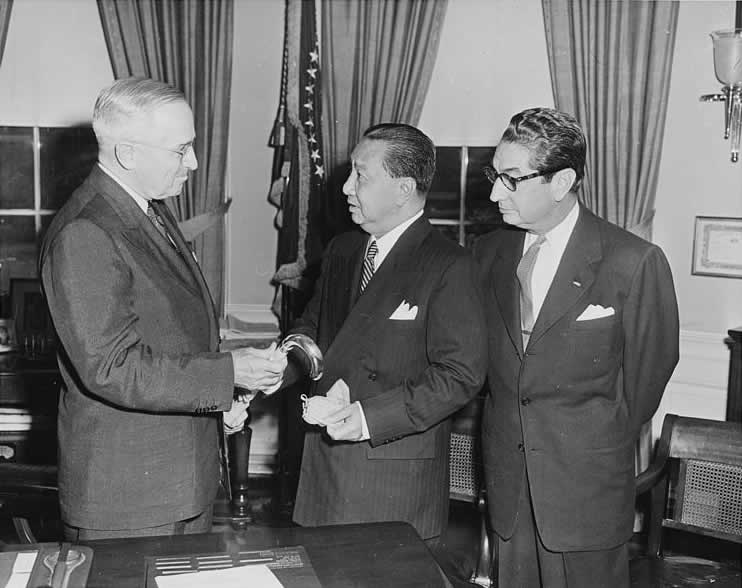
x: 5, y: 8
x: 186, y: 43
x: 378, y: 58
x: 610, y: 66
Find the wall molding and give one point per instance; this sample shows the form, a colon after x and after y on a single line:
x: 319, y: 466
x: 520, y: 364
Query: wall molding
x: 252, y: 314
x: 704, y: 360
x: 698, y: 386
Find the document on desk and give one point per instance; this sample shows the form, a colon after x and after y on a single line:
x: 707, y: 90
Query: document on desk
x: 289, y: 567
x: 16, y: 568
x: 255, y: 575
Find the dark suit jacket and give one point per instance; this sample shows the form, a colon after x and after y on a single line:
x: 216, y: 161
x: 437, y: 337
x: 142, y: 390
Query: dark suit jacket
x: 138, y: 443
x: 565, y: 414
x: 409, y: 376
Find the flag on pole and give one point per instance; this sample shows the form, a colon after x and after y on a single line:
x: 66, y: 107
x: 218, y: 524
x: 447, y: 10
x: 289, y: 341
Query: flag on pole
x: 299, y: 185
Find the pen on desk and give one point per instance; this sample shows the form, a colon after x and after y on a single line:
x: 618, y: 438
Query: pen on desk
x: 59, y: 567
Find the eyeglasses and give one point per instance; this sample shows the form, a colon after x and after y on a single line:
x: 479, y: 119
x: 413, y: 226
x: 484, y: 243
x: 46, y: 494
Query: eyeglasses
x: 510, y: 182
x: 181, y: 152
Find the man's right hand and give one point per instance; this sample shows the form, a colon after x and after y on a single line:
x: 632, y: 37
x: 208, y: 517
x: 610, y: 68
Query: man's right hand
x: 259, y: 369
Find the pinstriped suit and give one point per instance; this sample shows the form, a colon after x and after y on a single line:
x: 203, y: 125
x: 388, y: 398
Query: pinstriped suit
x: 409, y: 376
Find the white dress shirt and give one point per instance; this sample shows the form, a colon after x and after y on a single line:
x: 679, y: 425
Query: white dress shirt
x: 143, y: 203
x: 549, y: 257
x: 385, y: 243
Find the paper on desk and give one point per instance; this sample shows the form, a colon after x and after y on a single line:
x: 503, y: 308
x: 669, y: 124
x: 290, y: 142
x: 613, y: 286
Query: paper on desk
x: 238, y: 577
x: 22, y: 568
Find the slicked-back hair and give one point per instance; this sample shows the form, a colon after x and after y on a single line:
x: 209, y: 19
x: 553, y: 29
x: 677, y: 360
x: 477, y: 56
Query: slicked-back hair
x: 409, y: 153
x: 126, y: 98
x: 555, y: 140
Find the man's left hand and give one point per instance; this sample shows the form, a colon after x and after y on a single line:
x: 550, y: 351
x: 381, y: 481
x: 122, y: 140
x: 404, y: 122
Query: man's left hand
x: 235, y: 417
x: 345, y: 423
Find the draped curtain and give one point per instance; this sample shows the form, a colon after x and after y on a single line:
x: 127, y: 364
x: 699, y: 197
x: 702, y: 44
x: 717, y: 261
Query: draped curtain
x: 5, y: 8
x: 186, y: 43
x: 610, y: 66
x: 378, y: 58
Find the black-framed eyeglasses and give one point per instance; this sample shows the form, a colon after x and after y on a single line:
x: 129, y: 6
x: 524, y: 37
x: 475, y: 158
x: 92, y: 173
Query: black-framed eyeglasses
x: 510, y: 182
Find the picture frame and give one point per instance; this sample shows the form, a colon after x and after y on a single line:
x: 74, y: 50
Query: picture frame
x: 717, y: 247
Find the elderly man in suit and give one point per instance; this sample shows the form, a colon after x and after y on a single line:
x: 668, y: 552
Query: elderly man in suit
x: 145, y: 386
x: 398, y: 316
x: 583, y: 331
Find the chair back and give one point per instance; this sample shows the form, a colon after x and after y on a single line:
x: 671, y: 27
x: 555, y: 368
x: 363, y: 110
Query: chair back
x: 465, y: 464
x: 696, y: 480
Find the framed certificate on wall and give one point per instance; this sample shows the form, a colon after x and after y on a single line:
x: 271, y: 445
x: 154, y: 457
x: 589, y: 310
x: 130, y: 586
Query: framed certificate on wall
x: 717, y: 247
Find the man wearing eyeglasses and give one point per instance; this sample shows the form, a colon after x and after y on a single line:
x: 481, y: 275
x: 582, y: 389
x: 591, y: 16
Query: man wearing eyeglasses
x: 145, y: 388
x: 583, y: 331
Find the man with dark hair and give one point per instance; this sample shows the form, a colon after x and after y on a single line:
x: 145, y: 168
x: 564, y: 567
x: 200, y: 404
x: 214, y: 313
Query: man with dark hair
x: 398, y: 315
x: 583, y: 331
x: 144, y: 384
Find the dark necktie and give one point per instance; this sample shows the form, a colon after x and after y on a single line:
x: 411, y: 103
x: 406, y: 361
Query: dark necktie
x: 525, y: 272
x: 159, y: 225
x: 368, y: 264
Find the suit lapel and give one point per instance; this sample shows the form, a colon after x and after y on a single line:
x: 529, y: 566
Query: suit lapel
x: 382, y: 294
x: 185, y: 253
x: 574, y: 276
x: 142, y: 234
x: 506, y: 288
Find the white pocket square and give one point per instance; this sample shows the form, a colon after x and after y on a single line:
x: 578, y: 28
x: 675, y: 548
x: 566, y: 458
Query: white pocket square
x: 595, y: 311
x: 404, y: 312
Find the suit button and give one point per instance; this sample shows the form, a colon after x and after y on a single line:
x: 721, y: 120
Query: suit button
x: 520, y: 446
x: 525, y: 401
x: 372, y: 376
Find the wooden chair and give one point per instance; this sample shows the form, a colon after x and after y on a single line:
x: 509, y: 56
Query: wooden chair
x: 466, y: 484
x: 695, y: 481
x: 28, y: 493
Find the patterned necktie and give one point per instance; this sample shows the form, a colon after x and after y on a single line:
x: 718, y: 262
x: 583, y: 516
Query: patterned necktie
x: 368, y: 264
x: 159, y: 224
x: 524, y: 273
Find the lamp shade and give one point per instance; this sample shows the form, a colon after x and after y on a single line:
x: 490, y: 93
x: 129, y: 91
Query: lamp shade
x: 728, y: 56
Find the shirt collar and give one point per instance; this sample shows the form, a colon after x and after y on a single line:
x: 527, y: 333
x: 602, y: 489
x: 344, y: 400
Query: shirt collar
x: 389, y: 239
x: 560, y: 234
x: 143, y: 203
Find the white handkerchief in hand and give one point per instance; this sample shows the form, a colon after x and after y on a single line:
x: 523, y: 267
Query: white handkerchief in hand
x: 404, y: 312
x: 596, y: 311
x: 316, y: 408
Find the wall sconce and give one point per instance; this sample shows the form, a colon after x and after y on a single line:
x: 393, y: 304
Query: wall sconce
x: 728, y: 69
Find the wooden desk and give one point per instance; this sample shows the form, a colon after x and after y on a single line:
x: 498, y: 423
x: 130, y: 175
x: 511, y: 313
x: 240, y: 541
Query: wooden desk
x: 343, y: 556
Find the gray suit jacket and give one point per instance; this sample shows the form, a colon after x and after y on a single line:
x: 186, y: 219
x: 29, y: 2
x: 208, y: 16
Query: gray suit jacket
x: 564, y: 414
x: 409, y: 376
x: 138, y: 436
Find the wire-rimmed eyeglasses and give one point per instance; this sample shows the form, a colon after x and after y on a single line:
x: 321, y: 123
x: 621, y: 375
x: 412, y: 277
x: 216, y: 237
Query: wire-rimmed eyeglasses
x: 181, y: 151
x: 510, y: 182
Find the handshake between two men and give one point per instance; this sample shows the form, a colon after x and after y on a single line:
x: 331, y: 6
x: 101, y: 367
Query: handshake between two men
x: 262, y: 370
x: 255, y: 370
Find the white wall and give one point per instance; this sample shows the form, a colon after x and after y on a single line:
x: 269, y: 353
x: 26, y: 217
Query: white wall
x: 256, y: 81
x: 54, y: 64
x: 491, y: 64
x: 696, y: 178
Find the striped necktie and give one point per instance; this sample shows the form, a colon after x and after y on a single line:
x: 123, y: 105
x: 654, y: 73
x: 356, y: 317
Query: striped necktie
x: 368, y: 264
x: 524, y: 273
